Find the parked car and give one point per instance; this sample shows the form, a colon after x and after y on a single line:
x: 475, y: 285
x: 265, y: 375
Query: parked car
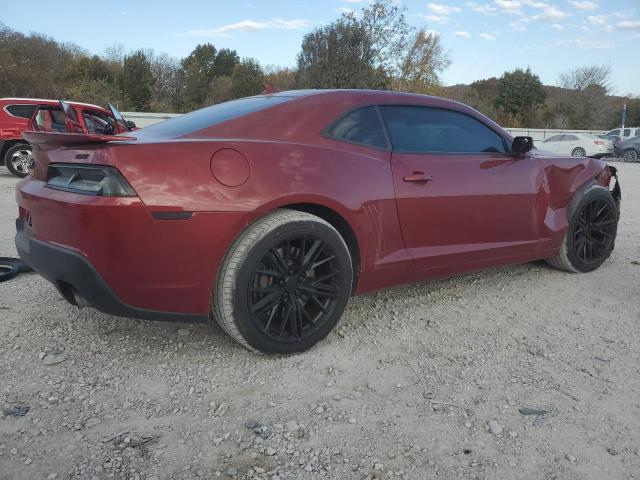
x: 18, y: 114
x: 621, y: 134
x: 267, y: 213
x: 629, y: 150
x: 577, y: 145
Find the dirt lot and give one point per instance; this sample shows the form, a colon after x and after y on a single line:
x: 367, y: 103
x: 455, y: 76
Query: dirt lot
x: 425, y: 381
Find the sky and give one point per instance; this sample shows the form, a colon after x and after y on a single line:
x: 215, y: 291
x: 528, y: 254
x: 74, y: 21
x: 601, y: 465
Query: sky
x: 484, y: 38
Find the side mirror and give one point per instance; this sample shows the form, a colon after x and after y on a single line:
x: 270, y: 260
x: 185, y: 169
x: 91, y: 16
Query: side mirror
x: 521, y: 145
x: 130, y: 125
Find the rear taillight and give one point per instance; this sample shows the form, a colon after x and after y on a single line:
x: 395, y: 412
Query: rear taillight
x: 598, y: 142
x: 94, y: 180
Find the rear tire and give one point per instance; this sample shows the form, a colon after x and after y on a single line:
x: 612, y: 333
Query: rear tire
x: 630, y: 156
x: 18, y: 159
x: 578, y: 152
x: 284, y: 283
x: 591, y: 235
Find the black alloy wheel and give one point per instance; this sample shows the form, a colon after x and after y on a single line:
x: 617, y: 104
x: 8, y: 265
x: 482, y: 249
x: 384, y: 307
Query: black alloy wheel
x: 595, y: 231
x: 284, y: 283
x: 294, y: 289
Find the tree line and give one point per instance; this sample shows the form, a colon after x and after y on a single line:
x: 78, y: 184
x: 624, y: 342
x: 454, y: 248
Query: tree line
x: 373, y: 48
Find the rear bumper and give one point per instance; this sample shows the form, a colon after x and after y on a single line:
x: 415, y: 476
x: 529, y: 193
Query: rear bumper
x: 79, y: 282
x: 120, y: 257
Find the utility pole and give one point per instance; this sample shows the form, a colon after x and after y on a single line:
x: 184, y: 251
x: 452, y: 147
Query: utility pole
x: 624, y: 117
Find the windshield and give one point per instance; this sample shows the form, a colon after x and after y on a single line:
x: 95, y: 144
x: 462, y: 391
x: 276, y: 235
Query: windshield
x: 206, y: 117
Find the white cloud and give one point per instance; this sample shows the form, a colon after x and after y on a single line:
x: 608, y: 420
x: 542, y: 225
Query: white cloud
x: 509, y: 6
x: 487, y: 36
x: 251, y: 26
x: 462, y: 34
x: 557, y: 27
x: 435, y: 18
x: 354, y: 1
x: 597, y: 19
x: 583, y: 4
x: 345, y: 10
x: 551, y: 13
x: 440, y: 9
x: 483, y: 8
x: 581, y: 42
x: 629, y: 25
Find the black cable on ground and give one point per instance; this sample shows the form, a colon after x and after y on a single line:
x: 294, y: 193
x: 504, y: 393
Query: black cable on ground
x: 10, y: 267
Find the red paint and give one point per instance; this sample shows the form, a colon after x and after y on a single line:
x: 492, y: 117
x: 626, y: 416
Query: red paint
x: 475, y: 211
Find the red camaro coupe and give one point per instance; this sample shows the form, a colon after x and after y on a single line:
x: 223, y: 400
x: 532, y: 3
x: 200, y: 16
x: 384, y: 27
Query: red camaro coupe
x: 267, y: 213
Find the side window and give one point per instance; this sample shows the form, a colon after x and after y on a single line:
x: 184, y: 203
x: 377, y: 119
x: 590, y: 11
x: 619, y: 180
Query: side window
x: 554, y: 138
x: 416, y: 129
x: 360, y: 126
x: 98, y: 122
x: 50, y: 120
x: 614, y: 132
x: 627, y: 132
x: 569, y: 138
x: 21, y: 111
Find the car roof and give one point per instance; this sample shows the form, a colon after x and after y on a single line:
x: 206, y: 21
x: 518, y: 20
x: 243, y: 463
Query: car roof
x: 43, y: 101
x: 378, y: 95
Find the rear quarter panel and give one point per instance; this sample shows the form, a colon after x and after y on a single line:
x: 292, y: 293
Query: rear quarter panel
x: 354, y: 181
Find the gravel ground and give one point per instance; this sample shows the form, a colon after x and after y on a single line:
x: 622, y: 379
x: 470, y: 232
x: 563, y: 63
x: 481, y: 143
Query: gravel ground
x: 426, y: 381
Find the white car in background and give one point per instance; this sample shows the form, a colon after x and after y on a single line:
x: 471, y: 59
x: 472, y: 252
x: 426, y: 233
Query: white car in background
x: 577, y: 145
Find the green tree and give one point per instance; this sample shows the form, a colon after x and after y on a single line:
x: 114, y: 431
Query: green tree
x: 247, y: 78
x: 202, y: 60
x: 225, y: 62
x: 136, y: 81
x: 519, y: 93
x: 198, y: 70
x: 375, y: 49
x: 339, y: 55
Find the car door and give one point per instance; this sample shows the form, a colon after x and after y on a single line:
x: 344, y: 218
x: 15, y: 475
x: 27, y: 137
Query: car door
x: 462, y: 198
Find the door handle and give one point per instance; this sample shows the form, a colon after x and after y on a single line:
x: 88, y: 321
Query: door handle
x: 417, y: 177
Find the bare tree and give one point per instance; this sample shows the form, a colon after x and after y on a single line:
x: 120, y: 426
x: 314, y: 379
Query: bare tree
x: 589, y: 76
x: 422, y: 63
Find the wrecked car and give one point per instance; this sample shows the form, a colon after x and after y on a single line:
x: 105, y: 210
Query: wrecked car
x: 18, y: 115
x: 266, y: 213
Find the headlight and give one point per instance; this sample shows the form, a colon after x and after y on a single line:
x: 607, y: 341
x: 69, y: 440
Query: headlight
x: 95, y: 180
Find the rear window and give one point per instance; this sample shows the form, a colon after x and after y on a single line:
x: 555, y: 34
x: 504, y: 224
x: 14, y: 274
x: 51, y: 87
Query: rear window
x: 209, y: 116
x: 22, y: 111
x: 360, y: 126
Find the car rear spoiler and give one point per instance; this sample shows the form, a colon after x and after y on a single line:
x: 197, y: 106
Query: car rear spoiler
x: 69, y: 139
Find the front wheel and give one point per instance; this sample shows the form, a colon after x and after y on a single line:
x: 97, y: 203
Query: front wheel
x: 591, y: 235
x: 284, y: 283
x: 18, y: 159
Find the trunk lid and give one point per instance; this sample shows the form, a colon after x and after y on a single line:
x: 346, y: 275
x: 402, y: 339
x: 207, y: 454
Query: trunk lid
x: 54, y: 147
